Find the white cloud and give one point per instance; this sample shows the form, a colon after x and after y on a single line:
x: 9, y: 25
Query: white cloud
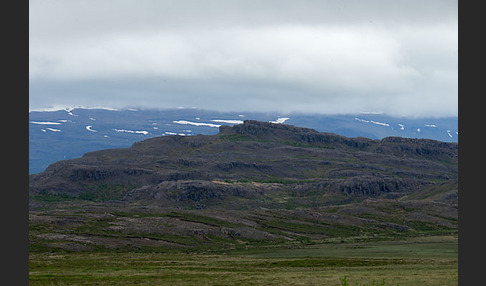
x: 315, y: 56
x: 318, y: 56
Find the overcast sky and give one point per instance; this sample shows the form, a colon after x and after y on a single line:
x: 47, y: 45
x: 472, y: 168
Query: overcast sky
x: 395, y: 57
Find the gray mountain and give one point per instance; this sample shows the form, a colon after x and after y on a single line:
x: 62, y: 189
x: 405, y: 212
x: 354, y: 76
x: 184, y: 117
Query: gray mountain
x: 252, y: 185
x: 254, y: 163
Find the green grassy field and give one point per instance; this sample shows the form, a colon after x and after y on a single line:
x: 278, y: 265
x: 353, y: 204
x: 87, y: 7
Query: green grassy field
x: 415, y: 261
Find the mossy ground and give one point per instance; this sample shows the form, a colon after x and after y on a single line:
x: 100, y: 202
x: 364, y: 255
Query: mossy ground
x: 80, y: 242
x: 417, y: 261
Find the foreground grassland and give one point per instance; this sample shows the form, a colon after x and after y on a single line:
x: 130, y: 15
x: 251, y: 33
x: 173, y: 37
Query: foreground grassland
x: 414, y: 261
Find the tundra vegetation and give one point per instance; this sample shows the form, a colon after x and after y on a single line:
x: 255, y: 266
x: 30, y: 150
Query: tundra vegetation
x: 257, y: 204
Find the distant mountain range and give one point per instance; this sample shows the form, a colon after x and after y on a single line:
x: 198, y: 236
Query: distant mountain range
x: 67, y: 133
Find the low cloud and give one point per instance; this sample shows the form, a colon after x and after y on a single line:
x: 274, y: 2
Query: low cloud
x: 280, y: 62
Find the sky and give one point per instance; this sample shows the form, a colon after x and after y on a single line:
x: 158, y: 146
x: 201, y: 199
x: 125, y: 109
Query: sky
x: 330, y: 57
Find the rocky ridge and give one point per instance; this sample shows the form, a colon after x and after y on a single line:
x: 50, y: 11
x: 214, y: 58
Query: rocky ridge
x: 256, y: 164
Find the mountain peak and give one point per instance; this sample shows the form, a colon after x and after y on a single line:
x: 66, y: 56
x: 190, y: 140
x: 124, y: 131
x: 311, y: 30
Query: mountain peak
x: 289, y: 133
x: 265, y: 129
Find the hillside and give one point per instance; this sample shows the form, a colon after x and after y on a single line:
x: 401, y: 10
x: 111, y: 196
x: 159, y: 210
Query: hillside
x: 252, y: 160
x: 255, y: 181
x: 75, y: 131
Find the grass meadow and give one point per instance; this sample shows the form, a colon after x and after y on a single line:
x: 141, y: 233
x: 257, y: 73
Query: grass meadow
x: 413, y: 261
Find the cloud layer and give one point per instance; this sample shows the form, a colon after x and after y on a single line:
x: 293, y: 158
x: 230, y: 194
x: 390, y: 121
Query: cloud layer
x: 302, y: 56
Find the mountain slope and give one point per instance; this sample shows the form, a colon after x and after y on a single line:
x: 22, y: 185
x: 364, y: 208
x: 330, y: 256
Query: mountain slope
x: 254, y: 185
x: 254, y: 164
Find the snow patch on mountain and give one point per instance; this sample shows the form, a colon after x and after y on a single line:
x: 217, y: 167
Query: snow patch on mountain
x: 174, y: 133
x: 89, y: 128
x: 69, y: 111
x: 45, y: 123
x: 379, y: 123
x: 361, y: 120
x: 228, y: 121
x: 185, y: 122
x: 280, y: 120
x: 132, y: 131
x: 371, y: 121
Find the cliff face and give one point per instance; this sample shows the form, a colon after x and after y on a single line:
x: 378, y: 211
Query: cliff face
x: 255, y: 162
